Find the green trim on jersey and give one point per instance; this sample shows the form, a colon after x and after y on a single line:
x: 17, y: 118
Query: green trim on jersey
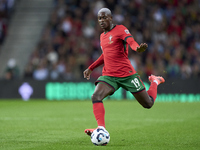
x: 127, y: 38
x: 124, y: 42
x: 110, y: 29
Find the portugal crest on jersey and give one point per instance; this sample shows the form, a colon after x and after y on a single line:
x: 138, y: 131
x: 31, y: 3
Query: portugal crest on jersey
x: 110, y: 39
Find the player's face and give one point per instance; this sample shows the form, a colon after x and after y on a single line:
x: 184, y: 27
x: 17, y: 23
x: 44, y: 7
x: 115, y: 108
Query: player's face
x: 104, y: 20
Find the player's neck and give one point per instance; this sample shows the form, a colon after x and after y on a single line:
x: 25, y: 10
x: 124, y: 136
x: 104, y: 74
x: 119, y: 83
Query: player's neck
x: 110, y: 28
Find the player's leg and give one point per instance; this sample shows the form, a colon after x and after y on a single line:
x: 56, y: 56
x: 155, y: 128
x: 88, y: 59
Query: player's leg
x: 144, y: 99
x: 102, y: 90
x: 147, y: 98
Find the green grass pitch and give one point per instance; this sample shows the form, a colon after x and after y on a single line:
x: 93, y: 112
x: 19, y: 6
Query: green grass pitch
x: 59, y: 125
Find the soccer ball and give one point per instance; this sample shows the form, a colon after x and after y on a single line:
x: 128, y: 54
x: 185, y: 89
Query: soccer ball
x: 100, y: 136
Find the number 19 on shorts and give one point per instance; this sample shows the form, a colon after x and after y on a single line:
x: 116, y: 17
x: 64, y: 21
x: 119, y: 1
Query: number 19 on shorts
x: 136, y: 83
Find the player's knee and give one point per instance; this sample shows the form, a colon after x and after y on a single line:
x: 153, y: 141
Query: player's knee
x: 148, y: 105
x: 96, y: 97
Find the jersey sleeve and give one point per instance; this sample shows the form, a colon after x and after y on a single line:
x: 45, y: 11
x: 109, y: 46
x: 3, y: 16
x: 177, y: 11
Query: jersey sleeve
x: 126, y: 36
x: 124, y: 32
x: 97, y: 63
x: 133, y: 44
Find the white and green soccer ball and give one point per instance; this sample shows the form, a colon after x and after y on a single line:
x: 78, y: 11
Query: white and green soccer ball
x: 100, y: 136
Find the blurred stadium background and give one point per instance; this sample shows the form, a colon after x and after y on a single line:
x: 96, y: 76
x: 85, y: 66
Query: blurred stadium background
x: 45, y: 45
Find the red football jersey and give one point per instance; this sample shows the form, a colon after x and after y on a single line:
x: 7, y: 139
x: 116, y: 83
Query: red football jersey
x: 114, y: 45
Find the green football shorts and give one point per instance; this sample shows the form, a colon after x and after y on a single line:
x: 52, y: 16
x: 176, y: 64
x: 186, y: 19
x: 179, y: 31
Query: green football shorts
x: 131, y: 83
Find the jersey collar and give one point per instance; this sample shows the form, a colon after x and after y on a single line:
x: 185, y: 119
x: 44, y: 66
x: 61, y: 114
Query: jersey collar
x: 110, y: 29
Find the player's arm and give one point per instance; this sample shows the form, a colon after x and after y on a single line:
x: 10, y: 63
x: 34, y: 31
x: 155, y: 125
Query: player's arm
x: 142, y: 47
x: 135, y: 46
x: 94, y: 65
x: 127, y: 37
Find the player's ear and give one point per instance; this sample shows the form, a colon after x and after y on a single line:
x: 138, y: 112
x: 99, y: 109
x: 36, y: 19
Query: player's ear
x: 110, y: 18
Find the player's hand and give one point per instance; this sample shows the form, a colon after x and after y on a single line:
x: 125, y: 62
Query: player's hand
x: 142, y: 47
x: 87, y: 73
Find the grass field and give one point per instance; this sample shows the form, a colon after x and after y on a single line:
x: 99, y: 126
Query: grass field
x: 59, y: 125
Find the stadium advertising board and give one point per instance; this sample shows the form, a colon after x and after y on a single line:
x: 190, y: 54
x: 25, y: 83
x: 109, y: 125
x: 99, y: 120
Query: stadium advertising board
x: 173, y: 90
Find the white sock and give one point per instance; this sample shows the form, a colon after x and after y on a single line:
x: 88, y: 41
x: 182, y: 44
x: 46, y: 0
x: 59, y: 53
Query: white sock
x: 156, y: 82
x: 101, y: 127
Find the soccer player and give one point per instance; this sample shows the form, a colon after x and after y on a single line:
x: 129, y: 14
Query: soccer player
x: 118, y: 71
